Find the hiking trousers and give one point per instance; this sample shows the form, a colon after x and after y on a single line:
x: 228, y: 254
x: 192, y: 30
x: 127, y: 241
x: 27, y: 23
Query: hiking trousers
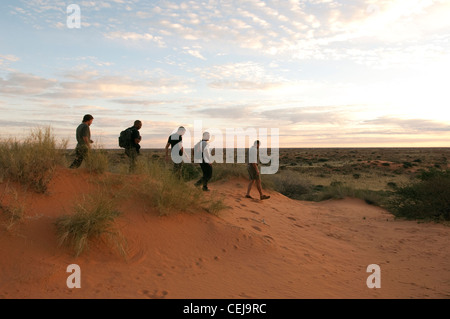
x: 132, y: 154
x: 207, y: 173
x: 81, y: 152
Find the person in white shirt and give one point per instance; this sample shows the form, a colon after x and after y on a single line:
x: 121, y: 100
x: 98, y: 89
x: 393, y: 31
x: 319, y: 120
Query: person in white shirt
x: 175, y: 141
x: 202, y: 149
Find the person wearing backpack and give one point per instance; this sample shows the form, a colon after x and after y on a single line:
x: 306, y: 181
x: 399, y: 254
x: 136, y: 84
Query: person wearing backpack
x: 83, y: 135
x: 203, y: 152
x: 131, y: 143
x: 175, y: 141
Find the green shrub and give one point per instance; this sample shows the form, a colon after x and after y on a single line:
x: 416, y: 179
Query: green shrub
x: 427, y: 199
x: 290, y: 184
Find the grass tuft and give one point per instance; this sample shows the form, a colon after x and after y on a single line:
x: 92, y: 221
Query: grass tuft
x: 97, y: 161
x: 32, y: 161
x: 162, y: 190
x: 94, y: 218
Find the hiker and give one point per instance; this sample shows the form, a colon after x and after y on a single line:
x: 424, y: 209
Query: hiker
x: 83, y: 135
x: 176, y: 144
x: 132, y: 149
x: 202, y: 148
x: 253, y: 171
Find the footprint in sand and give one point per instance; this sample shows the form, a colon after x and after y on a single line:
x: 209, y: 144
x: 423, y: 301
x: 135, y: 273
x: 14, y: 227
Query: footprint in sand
x: 269, y: 239
x: 257, y: 228
x: 155, y: 295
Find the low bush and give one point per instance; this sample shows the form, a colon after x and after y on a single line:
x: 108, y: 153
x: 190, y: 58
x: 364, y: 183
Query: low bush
x: 290, y: 184
x: 429, y: 198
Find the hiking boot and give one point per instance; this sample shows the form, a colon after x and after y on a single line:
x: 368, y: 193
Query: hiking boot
x: 205, y: 189
x: 198, y: 183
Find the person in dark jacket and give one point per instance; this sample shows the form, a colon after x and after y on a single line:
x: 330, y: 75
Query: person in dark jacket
x: 134, y: 147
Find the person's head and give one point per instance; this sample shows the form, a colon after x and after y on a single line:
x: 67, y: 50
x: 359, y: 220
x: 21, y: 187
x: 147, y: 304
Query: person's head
x: 181, y: 130
x: 206, y: 136
x: 138, y: 124
x: 88, y: 119
x: 257, y: 143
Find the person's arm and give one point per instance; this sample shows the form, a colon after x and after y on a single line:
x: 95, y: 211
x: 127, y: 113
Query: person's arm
x: 87, y: 141
x: 137, y: 140
x: 207, y: 154
x: 136, y: 137
x: 85, y: 133
x: 167, y: 151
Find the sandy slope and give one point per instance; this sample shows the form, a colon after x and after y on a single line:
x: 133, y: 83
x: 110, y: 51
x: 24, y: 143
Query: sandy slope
x: 278, y: 248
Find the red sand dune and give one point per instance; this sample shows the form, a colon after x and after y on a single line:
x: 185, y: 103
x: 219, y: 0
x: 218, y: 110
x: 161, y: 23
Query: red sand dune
x: 277, y: 249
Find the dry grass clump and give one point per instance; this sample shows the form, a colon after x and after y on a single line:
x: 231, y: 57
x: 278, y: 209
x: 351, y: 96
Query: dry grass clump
x: 162, y: 190
x: 32, y: 161
x: 97, y: 160
x: 94, y: 218
x: 11, y: 213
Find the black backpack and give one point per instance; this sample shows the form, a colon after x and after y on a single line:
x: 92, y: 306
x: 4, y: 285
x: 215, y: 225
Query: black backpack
x: 125, y: 138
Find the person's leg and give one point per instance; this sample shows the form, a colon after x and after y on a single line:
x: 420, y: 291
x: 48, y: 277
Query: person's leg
x: 259, y: 187
x: 80, y: 154
x: 178, y: 169
x: 250, y: 185
x: 208, y: 175
x: 252, y: 176
x: 200, y: 181
x: 132, y: 154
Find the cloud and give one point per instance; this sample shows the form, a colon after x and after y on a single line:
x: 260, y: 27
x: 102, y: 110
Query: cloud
x: 134, y: 36
x: 240, y: 76
x: 411, y: 125
x: 194, y: 52
x: 141, y: 102
x: 309, y: 115
x: 6, y: 60
x: 88, y: 85
x: 17, y: 83
x: 238, y: 113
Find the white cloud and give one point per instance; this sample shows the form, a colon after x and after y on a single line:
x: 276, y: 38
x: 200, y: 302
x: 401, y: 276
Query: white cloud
x: 134, y: 36
x: 240, y: 76
x: 194, y: 53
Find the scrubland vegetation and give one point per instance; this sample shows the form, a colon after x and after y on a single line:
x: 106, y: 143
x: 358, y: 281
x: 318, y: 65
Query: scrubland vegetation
x: 410, y: 183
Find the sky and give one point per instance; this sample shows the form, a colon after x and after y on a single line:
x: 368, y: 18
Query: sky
x: 322, y: 73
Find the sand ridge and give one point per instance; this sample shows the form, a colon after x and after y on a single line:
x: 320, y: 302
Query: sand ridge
x: 276, y: 249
